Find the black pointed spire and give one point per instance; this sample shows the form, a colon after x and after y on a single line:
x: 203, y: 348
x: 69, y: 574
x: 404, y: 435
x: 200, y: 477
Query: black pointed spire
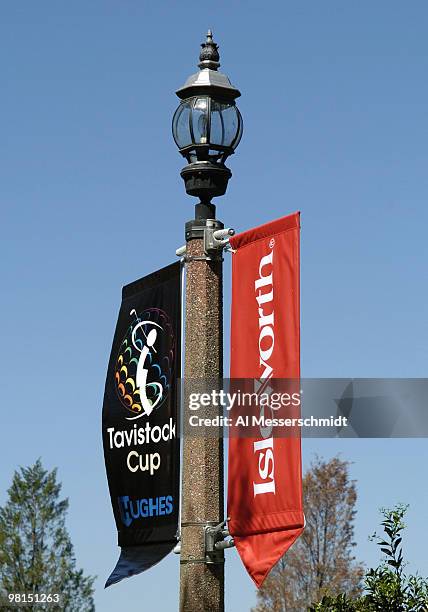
x: 209, y: 55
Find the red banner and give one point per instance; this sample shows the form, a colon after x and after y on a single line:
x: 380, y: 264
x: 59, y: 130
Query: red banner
x: 265, y: 472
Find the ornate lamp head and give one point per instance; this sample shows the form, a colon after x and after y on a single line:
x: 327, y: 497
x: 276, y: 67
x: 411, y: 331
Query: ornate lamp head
x: 207, y: 126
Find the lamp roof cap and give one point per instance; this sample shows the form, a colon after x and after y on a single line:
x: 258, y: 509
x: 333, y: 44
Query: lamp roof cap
x: 208, y: 80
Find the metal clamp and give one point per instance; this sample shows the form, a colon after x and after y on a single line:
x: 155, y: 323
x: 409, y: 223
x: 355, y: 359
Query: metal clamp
x: 189, y: 258
x: 215, y: 240
x: 181, y: 252
x: 215, y: 543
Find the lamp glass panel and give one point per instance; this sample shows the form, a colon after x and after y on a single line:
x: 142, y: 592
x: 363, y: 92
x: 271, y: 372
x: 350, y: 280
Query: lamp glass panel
x: 231, y: 124
x: 239, y: 136
x: 180, y: 125
x: 200, y: 121
x: 217, y: 135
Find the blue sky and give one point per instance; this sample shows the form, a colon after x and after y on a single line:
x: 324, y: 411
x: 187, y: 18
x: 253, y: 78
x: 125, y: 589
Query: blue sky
x: 334, y: 101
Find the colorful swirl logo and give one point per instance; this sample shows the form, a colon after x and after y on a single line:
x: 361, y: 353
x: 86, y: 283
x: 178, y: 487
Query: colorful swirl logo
x: 145, y: 362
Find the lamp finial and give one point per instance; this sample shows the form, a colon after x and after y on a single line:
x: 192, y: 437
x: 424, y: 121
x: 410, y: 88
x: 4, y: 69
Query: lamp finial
x: 209, y: 55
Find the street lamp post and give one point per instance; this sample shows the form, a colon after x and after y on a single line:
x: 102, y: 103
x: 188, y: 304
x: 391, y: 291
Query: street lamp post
x: 207, y: 127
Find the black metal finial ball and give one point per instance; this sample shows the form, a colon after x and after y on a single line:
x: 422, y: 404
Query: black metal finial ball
x: 209, y: 56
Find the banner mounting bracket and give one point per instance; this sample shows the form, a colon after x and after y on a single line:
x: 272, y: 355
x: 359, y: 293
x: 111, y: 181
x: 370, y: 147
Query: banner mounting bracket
x: 215, y: 542
x: 216, y: 239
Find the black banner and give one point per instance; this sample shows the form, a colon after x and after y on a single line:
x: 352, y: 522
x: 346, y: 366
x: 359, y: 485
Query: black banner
x: 140, y: 421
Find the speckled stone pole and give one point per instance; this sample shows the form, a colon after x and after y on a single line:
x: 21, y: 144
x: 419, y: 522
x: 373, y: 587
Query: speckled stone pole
x: 207, y: 128
x: 201, y: 584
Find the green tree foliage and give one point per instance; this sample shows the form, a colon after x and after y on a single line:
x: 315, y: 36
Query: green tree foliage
x: 36, y: 554
x: 387, y: 588
x: 321, y: 561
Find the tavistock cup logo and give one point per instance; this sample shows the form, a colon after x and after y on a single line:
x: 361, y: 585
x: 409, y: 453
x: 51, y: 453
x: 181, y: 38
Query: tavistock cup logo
x: 145, y: 363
